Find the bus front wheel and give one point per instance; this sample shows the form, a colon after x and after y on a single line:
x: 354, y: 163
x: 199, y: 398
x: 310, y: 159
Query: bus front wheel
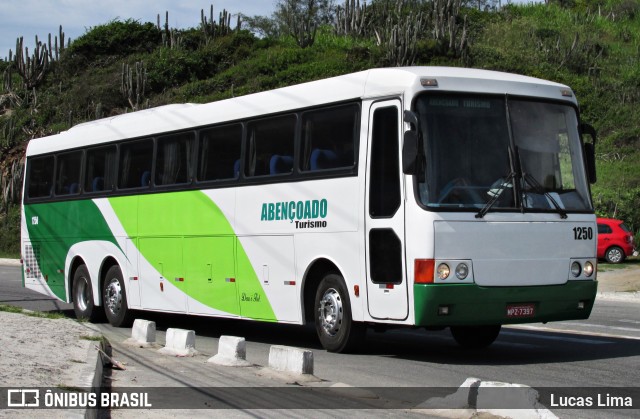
x: 336, y: 329
x: 475, y: 337
x: 115, y: 299
x: 82, y: 294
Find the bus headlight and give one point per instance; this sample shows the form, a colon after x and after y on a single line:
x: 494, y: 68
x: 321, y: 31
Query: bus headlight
x: 443, y: 271
x: 462, y: 270
x: 588, y: 269
x: 576, y: 269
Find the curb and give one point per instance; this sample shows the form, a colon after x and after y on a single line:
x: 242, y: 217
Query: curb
x: 94, y: 376
x: 10, y: 262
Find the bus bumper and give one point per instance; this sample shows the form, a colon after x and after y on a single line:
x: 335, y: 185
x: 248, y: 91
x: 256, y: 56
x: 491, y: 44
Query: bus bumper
x: 470, y: 304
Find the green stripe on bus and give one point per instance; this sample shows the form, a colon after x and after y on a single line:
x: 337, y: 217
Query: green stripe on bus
x: 470, y: 304
x: 55, y: 227
x: 185, y: 235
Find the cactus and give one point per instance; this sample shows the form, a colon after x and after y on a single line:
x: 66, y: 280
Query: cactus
x: 133, y: 89
x: 351, y: 19
x: 33, y: 68
x: 7, y: 82
x: 211, y: 29
x: 55, y: 48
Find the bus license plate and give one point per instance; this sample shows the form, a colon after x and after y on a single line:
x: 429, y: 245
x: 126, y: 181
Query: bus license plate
x: 521, y: 310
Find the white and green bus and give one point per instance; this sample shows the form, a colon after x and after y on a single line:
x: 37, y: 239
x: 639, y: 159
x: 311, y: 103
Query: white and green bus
x: 420, y: 197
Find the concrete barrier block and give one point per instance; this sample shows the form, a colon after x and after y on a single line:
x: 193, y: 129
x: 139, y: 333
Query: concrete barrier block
x: 231, y: 352
x: 497, y: 399
x: 143, y: 333
x: 293, y: 360
x: 179, y: 342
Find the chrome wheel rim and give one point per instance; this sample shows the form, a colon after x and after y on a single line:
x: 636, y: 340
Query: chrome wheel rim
x: 330, y: 312
x: 83, y: 294
x: 113, y: 296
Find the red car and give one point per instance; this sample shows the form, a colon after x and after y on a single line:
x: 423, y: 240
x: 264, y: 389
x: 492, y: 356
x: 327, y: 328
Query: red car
x: 615, y: 240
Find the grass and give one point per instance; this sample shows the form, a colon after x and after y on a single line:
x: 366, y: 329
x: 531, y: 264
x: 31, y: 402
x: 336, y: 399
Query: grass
x: 9, y: 255
x: 629, y: 262
x: 10, y: 309
x: 20, y: 310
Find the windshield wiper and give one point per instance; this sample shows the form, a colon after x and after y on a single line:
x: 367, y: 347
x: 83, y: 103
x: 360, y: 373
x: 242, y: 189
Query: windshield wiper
x: 495, y: 194
x: 538, y: 188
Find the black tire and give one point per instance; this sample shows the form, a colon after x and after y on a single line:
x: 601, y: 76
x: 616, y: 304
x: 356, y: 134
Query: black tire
x: 614, y: 254
x: 475, y: 337
x: 336, y: 329
x: 82, y: 296
x: 114, y: 298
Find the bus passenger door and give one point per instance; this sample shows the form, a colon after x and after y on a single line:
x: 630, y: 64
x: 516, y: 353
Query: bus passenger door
x: 387, y: 292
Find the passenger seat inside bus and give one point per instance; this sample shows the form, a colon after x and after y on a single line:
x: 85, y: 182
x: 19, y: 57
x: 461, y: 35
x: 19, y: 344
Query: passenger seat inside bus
x: 323, y: 159
x: 97, y: 184
x: 146, y: 178
x: 280, y: 164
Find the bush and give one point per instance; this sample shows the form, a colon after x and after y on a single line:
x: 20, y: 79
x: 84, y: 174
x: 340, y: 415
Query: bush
x: 10, y: 232
x: 116, y: 38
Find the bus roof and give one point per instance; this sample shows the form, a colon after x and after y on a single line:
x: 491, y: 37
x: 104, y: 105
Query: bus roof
x: 380, y: 82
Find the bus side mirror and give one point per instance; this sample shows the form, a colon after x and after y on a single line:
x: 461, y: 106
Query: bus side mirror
x: 589, y: 151
x: 410, y: 145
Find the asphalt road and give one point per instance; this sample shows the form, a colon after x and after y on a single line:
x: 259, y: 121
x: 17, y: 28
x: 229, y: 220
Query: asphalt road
x: 603, y: 351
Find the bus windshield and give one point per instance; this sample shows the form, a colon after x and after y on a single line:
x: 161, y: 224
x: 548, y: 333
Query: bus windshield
x: 506, y: 153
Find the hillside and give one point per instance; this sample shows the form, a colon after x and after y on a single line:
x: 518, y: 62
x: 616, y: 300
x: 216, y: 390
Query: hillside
x: 591, y: 45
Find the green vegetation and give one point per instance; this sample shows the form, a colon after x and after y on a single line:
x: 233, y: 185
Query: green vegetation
x: 44, y: 315
x: 591, y: 45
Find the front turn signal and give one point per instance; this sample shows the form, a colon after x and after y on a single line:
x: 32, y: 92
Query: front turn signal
x: 423, y: 271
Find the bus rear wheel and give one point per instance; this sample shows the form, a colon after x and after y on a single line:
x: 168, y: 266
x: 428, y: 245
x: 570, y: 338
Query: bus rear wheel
x: 115, y: 299
x: 335, y: 327
x: 475, y: 337
x: 82, y: 295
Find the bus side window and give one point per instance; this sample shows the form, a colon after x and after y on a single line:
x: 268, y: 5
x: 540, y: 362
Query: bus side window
x: 135, y: 164
x: 100, y: 170
x: 219, y: 153
x: 271, y: 146
x: 173, y: 158
x: 40, y: 175
x: 330, y: 137
x: 68, y: 173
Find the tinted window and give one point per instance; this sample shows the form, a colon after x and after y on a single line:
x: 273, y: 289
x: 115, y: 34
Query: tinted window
x: 329, y: 137
x: 68, y: 173
x: 135, y: 164
x: 173, y: 158
x: 219, y: 154
x: 100, y: 171
x: 40, y: 177
x: 385, y: 256
x: 384, y: 189
x: 271, y: 146
x: 604, y: 229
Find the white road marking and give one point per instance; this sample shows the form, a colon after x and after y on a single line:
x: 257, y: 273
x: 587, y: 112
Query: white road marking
x: 626, y: 329
x: 561, y: 338
x: 573, y: 332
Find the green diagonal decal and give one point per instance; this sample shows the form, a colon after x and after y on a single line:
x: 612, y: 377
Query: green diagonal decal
x: 186, y: 235
x: 70, y: 223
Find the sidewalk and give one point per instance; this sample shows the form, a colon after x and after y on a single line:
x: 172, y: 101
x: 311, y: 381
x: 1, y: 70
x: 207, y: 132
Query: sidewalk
x: 44, y: 352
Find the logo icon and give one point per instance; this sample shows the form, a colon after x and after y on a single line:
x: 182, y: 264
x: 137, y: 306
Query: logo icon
x: 23, y: 398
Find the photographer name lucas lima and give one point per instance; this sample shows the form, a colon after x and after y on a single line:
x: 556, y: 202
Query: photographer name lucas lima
x: 602, y: 400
